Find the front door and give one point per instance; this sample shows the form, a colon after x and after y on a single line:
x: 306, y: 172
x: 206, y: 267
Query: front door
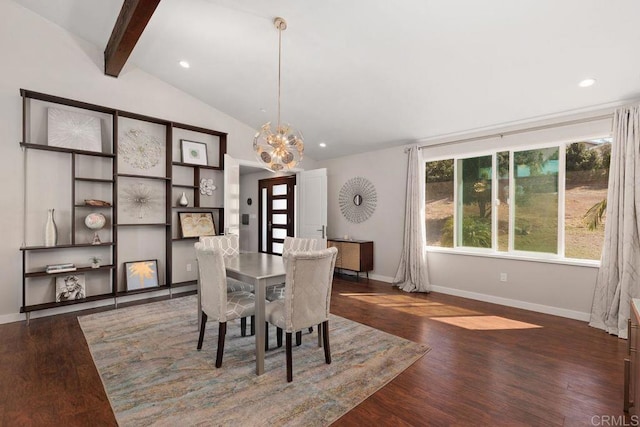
x: 277, y: 213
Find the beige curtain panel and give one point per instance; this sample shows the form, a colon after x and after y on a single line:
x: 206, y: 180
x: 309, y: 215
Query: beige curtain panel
x: 619, y: 275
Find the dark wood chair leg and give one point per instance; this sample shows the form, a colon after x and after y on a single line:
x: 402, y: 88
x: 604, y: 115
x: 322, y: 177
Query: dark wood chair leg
x: 298, y: 337
x: 243, y: 327
x: 203, y: 323
x: 222, y: 331
x: 325, y: 336
x: 266, y: 336
x: 279, y: 337
x: 320, y: 335
x: 310, y: 329
x: 253, y: 325
x: 289, y: 358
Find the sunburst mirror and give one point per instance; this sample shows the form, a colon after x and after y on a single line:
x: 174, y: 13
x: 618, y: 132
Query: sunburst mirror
x: 357, y: 199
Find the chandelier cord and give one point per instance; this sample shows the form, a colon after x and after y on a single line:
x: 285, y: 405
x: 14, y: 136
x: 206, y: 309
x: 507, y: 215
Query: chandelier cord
x: 279, y: 70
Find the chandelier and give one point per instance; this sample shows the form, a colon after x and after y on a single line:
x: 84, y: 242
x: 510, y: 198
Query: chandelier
x: 281, y: 148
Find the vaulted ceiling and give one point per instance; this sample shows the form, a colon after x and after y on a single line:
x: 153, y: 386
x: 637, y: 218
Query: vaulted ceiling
x: 361, y: 75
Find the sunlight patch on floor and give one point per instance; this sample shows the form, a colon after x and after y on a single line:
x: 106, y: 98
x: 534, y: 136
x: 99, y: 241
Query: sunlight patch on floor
x: 486, y: 323
x: 411, y: 305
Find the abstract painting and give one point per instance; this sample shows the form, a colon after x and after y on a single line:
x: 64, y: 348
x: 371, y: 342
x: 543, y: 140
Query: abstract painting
x: 195, y: 224
x: 194, y: 153
x: 139, y: 149
x: 141, y: 274
x: 77, y: 131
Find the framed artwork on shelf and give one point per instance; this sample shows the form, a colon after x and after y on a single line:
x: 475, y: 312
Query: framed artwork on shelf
x: 70, y: 287
x: 141, y: 201
x: 196, y: 224
x: 194, y: 153
x: 68, y: 129
x: 141, y: 274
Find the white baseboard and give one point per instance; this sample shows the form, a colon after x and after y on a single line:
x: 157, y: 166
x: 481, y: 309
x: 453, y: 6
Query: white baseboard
x: 18, y: 317
x: 556, y: 311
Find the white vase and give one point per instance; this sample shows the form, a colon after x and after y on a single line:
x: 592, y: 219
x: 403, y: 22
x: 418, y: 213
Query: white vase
x: 183, y: 200
x: 50, y: 230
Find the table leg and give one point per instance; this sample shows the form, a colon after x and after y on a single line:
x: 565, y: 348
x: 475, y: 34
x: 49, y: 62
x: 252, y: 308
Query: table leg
x: 260, y: 292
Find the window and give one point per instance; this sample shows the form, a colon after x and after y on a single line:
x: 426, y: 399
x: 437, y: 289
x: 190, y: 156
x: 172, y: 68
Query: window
x: 536, y: 200
x: 439, y: 199
x: 544, y: 200
x: 586, y: 183
x: 474, y: 208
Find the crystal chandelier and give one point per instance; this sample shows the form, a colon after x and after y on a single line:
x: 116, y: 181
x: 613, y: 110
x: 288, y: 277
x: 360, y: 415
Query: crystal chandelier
x: 281, y: 148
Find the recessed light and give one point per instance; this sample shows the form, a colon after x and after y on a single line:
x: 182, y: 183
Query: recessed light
x: 587, y: 82
x: 322, y: 144
x: 184, y: 64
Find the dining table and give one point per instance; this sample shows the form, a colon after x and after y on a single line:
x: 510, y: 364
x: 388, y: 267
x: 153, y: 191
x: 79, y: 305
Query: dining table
x: 261, y: 270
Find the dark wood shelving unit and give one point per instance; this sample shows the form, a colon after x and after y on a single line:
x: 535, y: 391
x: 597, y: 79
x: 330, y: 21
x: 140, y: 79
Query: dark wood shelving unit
x: 65, y: 150
x: 44, y: 306
x: 189, y: 165
x: 77, y: 270
x: 107, y: 181
x: 142, y: 291
x: 131, y: 175
x: 76, y: 245
x: 83, y: 186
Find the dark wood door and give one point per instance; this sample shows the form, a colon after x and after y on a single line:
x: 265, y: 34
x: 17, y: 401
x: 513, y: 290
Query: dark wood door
x: 277, y: 213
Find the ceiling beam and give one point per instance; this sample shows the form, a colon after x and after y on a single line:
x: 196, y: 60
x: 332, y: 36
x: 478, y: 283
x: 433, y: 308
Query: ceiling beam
x: 134, y: 17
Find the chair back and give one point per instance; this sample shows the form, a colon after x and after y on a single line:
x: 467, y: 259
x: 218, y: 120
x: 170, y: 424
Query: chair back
x: 296, y: 244
x: 212, y: 276
x: 308, y: 288
x: 229, y: 244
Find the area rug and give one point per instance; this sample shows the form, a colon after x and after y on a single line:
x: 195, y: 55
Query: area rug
x: 153, y: 375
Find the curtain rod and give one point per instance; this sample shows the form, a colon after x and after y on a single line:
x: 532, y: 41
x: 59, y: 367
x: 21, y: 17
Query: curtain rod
x: 517, y: 131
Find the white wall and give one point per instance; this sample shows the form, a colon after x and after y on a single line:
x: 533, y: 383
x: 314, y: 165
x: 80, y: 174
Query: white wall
x: 387, y: 171
x: 249, y: 189
x: 40, y: 56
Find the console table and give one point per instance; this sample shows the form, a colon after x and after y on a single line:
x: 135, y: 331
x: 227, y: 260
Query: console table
x: 353, y: 255
x: 632, y: 362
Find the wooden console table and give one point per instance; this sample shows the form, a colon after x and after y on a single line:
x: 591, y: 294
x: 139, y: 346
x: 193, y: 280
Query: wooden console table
x: 632, y: 362
x: 353, y: 255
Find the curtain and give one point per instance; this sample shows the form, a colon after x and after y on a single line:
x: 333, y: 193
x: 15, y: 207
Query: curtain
x: 619, y: 274
x: 412, y: 275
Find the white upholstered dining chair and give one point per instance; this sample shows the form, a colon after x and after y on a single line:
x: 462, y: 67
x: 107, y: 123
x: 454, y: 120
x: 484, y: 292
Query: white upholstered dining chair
x: 306, y: 300
x: 276, y: 292
x: 296, y: 244
x: 229, y: 246
x: 217, y: 304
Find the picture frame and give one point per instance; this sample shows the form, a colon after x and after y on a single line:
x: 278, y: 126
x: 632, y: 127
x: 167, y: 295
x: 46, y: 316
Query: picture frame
x: 194, y: 153
x: 70, y: 287
x: 73, y: 130
x: 196, y: 224
x: 141, y: 274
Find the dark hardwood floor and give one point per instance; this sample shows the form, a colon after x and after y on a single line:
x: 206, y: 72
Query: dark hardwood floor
x: 488, y: 365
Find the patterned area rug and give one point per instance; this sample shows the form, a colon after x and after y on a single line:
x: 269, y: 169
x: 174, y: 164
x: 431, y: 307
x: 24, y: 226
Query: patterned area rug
x: 153, y: 375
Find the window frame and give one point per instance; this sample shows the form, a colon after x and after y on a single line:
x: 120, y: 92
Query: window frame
x: 511, y: 252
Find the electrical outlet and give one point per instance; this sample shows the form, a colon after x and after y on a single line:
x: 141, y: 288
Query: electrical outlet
x: 188, y: 267
x: 503, y: 277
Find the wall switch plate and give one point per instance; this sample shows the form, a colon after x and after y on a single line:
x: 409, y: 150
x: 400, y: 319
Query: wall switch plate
x: 503, y: 277
x: 188, y: 267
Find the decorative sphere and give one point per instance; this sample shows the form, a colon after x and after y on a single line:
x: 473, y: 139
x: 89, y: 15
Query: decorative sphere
x: 95, y: 221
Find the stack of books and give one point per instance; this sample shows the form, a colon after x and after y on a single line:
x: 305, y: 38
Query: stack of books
x: 60, y: 268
